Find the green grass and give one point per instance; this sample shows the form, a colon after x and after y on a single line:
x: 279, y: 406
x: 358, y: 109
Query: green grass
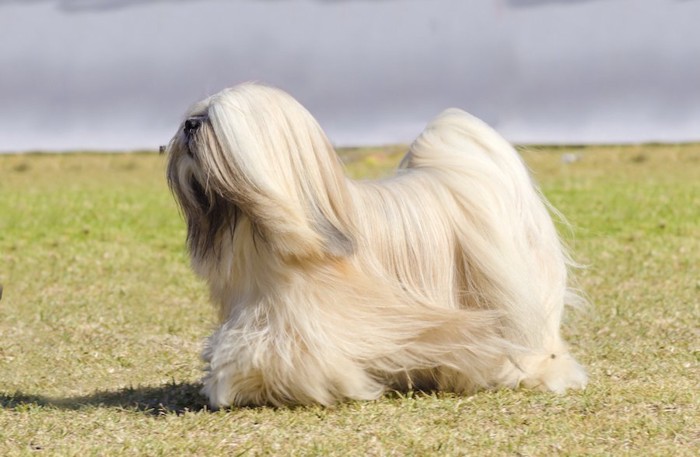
x: 101, y: 322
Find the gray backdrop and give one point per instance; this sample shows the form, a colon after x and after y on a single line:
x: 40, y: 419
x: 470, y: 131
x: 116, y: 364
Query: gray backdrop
x: 118, y: 74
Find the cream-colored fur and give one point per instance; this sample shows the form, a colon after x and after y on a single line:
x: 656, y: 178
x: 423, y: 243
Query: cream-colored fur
x: 449, y: 275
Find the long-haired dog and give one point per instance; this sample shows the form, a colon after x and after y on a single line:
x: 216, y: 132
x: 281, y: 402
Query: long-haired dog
x: 449, y: 275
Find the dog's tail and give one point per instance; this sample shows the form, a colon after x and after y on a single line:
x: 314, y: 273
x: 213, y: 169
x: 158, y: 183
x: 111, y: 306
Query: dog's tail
x: 509, y: 244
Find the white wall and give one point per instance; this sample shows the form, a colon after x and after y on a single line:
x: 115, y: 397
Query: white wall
x: 115, y: 74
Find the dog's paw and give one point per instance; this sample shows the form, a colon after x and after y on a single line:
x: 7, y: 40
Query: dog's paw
x: 552, y: 372
x: 557, y: 373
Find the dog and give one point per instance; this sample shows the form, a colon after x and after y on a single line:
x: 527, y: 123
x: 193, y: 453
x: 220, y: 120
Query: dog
x: 448, y: 276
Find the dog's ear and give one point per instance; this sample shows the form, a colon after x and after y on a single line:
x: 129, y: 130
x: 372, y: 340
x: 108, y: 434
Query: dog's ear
x: 337, y: 241
x: 278, y: 167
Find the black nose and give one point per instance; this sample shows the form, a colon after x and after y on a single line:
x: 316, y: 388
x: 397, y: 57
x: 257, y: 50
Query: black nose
x: 192, y: 125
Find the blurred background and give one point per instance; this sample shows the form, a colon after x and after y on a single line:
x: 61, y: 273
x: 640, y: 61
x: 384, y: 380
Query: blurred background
x: 119, y: 74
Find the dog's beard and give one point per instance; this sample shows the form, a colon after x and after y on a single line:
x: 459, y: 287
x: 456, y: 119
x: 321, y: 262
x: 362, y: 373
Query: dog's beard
x: 213, y: 216
x: 208, y: 214
x: 200, y: 195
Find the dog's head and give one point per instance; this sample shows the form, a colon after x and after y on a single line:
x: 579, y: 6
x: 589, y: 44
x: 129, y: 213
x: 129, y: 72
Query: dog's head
x: 254, y: 153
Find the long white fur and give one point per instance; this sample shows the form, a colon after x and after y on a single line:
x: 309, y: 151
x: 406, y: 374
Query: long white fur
x: 449, y: 275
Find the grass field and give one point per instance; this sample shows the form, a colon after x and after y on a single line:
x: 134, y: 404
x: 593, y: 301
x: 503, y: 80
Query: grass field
x: 101, y: 322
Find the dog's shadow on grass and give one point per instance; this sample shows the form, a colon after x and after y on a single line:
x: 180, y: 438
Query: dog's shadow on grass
x: 171, y: 398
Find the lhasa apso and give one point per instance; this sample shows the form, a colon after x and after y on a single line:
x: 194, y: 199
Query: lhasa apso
x: 449, y: 275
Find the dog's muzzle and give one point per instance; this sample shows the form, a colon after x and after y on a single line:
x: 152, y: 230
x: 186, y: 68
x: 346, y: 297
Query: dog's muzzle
x: 190, y: 128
